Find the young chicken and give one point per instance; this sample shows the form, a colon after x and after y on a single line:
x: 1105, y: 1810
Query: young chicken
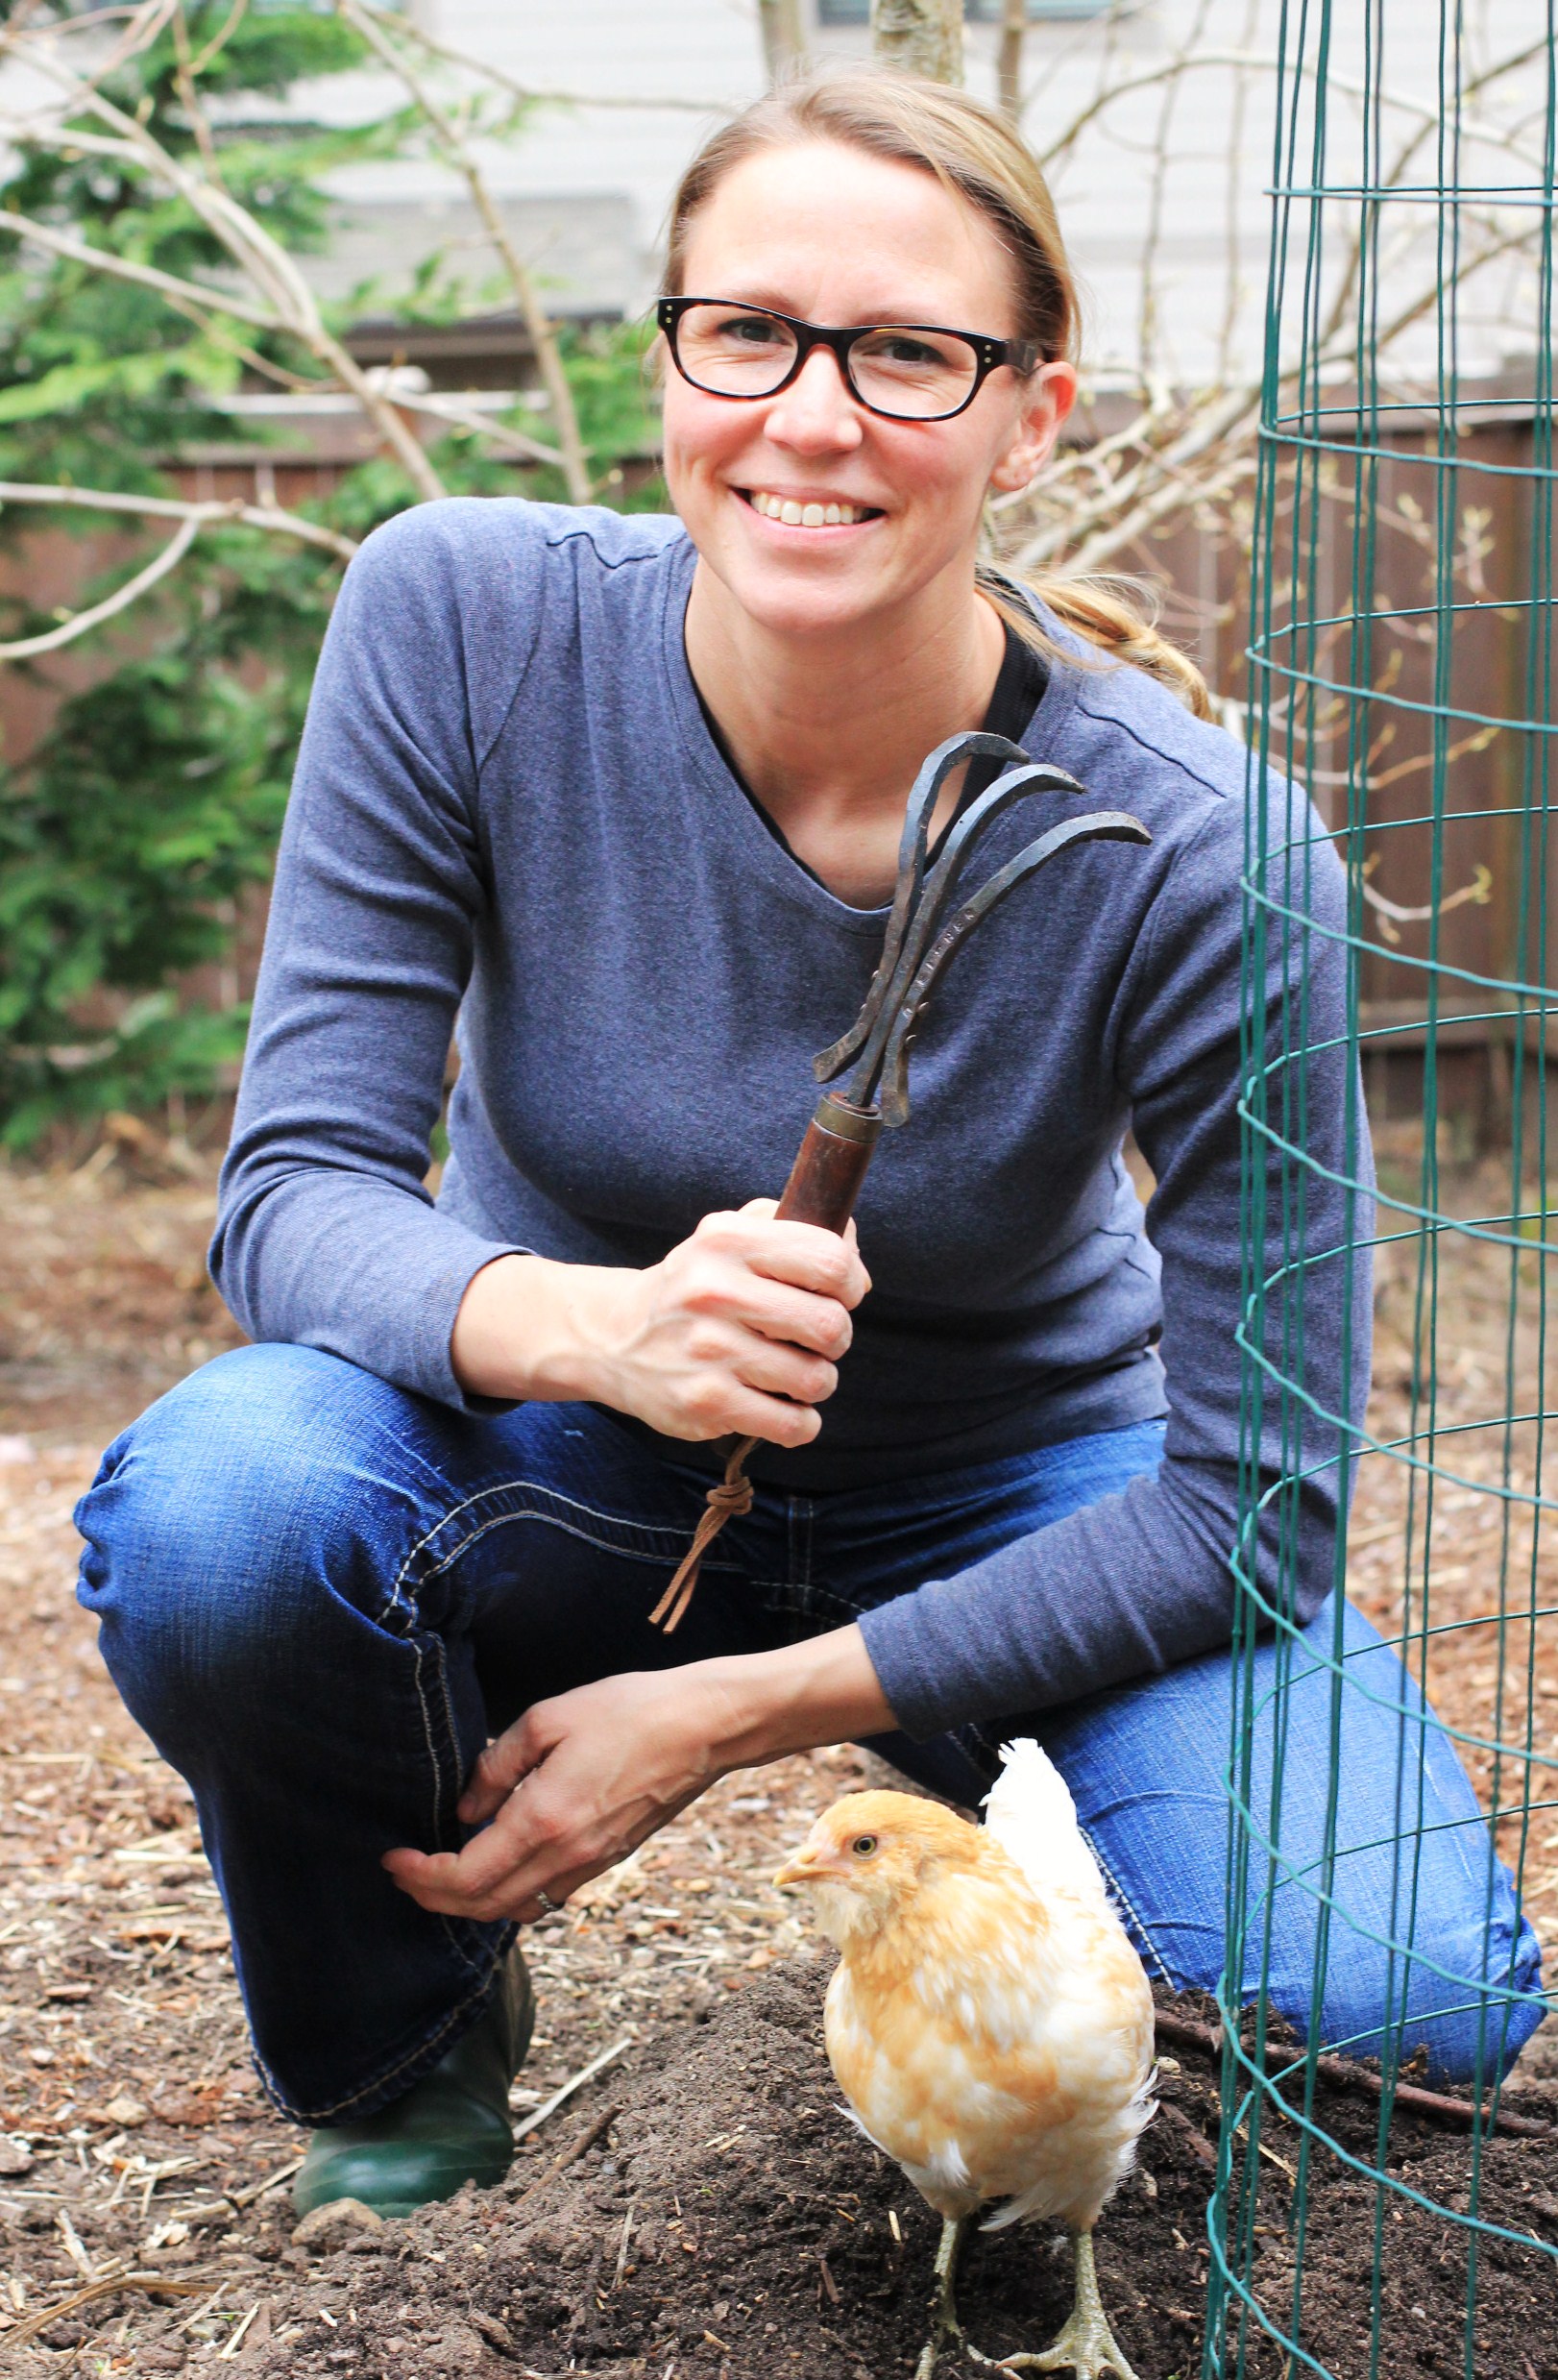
x: 988, y: 2021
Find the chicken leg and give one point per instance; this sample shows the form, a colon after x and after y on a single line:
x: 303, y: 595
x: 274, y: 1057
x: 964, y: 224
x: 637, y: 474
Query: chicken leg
x: 945, y: 2327
x: 1087, y: 2343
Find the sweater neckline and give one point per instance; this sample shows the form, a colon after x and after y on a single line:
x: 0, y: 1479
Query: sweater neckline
x: 732, y: 807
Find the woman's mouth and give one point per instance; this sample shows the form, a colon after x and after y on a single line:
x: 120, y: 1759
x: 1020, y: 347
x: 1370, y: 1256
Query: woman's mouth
x: 807, y: 512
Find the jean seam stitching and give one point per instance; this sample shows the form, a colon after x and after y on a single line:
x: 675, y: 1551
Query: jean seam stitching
x: 509, y: 1487
x: 448, y: 1923
x: 323, y: 2115
x: 446, y: 1926
x: 397, y: 1600
x: 1127, y: 1903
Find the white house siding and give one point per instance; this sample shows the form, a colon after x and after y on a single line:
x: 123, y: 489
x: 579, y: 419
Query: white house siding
x: 1212, y: 215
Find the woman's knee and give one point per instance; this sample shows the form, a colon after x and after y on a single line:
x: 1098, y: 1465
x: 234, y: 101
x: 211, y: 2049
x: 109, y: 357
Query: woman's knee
x: 1459, y: 1989
x: 214, y: 1516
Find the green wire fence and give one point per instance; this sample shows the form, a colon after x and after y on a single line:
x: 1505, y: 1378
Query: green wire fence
x: 1401, y: 675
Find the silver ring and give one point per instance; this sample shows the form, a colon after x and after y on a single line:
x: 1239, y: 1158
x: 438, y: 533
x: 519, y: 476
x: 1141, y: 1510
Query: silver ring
x: 551, y: 1907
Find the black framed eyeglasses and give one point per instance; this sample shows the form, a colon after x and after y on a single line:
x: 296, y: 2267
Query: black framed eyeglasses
x: 908, y: 371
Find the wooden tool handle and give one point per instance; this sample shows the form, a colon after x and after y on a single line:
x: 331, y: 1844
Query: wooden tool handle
x: 829, y: 1165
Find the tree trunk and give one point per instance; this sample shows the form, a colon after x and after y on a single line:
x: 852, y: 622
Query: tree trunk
x: 784, y: 39
x: 1013, y: 25
x: 923, y: 37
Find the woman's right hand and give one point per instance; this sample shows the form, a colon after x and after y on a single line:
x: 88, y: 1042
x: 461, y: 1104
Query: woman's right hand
x: 738, y: 1330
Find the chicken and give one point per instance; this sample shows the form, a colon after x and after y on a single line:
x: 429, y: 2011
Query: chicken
x: 988, y: 2021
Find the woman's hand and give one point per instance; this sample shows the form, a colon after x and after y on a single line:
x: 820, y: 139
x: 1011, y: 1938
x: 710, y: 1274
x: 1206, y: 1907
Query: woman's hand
x: 739, y: 1328
x: 582, y: 1780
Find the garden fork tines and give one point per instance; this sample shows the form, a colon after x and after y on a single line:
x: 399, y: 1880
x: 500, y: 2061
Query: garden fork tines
x: 825, y: 1179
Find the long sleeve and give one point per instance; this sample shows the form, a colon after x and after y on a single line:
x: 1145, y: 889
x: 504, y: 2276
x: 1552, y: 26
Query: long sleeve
x: 326, y: 1235
x: 1142, y: 1580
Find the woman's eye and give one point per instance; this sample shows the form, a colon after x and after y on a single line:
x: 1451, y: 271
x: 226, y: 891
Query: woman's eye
x: 898, y: 349
x: 749, y: 331
x: 864, y: 1846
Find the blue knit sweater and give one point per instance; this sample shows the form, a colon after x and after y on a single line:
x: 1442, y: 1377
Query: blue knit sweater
x: 509, y: 809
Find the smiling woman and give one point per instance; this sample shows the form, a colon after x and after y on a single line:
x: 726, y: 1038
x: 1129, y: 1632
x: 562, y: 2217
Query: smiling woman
x: 625, y: 797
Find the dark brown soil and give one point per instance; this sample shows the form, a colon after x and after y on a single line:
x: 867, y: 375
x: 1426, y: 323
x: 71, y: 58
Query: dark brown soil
x: 133, y: 2138
x: 728, y: 2223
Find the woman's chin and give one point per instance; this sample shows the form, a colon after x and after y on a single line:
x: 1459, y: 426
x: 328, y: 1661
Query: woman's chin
x: 805, y: 603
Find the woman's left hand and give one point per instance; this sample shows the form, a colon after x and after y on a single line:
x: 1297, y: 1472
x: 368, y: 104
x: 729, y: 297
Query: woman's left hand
x: 582, y: 1779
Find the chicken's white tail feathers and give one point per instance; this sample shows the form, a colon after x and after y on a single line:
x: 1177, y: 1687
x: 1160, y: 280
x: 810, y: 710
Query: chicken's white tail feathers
x: 1029, y: 1812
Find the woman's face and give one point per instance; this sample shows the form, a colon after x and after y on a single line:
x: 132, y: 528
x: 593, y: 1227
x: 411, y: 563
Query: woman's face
x: 826, y: 233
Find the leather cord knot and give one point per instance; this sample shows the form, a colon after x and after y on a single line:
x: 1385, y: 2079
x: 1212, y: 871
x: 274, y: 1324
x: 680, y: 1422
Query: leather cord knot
x: 727, y: 1499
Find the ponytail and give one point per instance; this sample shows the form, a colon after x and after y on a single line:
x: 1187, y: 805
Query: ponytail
x: 1109, y: 614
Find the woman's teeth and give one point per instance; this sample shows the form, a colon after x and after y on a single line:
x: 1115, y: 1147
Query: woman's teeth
x: 805, y: 516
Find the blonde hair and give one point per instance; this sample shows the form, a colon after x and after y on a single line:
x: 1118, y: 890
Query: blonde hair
x: 979, y: 156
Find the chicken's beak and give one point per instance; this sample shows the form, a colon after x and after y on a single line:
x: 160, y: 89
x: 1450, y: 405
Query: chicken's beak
x: 798, y: 1869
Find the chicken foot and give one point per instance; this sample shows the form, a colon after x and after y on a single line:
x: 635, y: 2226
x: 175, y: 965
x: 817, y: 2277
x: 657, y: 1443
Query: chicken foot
x: 945, y: 2327
x: 1086, y: 2342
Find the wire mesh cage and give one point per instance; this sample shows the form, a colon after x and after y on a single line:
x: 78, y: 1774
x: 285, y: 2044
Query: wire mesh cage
x: 1402, y: 679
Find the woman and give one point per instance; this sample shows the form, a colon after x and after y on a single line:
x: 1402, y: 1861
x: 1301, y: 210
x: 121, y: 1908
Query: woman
x: 627, y: 795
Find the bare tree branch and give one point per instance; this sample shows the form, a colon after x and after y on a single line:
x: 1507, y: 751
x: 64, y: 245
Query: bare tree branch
x: 923, y: 37
x: 529, y: 95
x: 68, y: 631
x: 458, y: 152
x: 266, y: 263
x: 783, y: 37
x: 1009, y: 61
x: 183, y: 293
x: 173, y: 508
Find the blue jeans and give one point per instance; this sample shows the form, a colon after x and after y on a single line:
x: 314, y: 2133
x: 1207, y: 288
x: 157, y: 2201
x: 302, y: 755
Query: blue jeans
x: 319, y: 1595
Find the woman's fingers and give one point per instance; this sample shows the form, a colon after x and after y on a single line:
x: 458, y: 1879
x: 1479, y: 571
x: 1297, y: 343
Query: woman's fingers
x: 602, y: 1766
x: 506, y: 1760
x: 527, y: 1846
x: 802, y: 1254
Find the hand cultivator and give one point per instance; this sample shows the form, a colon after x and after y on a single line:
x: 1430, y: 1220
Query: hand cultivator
x: 845, y: 1126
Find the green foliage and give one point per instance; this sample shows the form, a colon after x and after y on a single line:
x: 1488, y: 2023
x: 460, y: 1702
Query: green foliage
x: 131, y: 835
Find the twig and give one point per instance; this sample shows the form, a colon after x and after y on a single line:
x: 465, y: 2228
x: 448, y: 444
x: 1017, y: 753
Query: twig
x: 1008, y: 65
x: 622, y: 2245
x: 173, y: 508
x: 1362, y: 2079
x: 152, y: 2284
x: 587, y: 2139
x: 263, y: 2190
x: 147, y: 275
x: 1200, y: 2147
x: 443, y: 408
x: 189, y: 97
x: 458, y: 152
x: 530, y: 97
x: 575, y: 2082
x: 232, y: 2345
x: 262, y: 257
x: 66, y: 633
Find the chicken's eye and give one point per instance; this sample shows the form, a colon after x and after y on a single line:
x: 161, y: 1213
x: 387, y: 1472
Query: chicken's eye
x: 864, y: 1846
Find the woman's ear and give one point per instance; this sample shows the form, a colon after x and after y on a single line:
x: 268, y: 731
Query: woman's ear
x: 1048, y: 397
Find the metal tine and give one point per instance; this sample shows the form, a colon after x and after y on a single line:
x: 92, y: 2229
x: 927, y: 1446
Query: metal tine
x: 934, y: 772
x: 1098, y: 827
x: 934, y: 893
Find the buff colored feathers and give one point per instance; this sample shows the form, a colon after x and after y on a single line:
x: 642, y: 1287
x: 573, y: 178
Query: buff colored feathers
x: 988, y: 2021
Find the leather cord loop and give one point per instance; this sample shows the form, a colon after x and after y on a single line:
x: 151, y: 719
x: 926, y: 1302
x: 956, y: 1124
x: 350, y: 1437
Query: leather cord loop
x: 728, y: 1498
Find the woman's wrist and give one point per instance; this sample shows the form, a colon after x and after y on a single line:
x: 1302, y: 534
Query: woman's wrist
x: 762, y: 1705
x: 529, y: 1327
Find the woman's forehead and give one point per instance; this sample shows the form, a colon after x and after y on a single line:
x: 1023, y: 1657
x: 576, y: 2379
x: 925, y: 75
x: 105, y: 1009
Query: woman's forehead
x: 818, y: 229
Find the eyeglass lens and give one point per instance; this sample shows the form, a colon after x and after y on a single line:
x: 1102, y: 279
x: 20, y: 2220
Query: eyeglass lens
x: 916, y: 375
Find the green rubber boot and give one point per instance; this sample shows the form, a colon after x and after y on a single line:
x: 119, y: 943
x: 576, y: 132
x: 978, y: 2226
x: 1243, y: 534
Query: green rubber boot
x: 451, y: 2127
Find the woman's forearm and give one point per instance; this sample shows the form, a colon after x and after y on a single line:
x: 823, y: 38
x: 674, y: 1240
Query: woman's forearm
x: 530, y: 1328
x: 793, y: 1698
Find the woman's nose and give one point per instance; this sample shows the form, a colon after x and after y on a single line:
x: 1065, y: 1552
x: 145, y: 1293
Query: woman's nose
x: 816, y: 410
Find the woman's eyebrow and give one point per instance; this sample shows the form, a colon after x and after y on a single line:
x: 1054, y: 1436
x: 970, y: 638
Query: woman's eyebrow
x: 865, y: 318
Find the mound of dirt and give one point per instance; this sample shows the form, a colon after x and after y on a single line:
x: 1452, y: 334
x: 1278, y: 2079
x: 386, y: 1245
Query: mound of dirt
x: 714, y: 2218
